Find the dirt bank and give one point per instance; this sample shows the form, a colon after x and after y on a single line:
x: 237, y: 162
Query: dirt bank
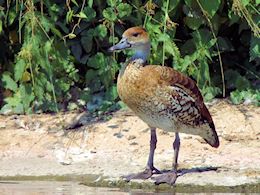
x: 40, y: 145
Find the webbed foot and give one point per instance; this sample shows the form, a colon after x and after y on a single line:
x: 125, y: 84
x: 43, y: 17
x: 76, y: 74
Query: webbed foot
x: 169, y: 178
x: 146, y: 174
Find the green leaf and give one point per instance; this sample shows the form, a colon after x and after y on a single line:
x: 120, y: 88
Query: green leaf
x: 81, y: 15
x: 85, y: 95
x: 27, y: 96
x: 90, y: 14
x: 90, y: 3
x: 13, y: 101
x: 87, y: 42
x: 12, y: 15
x: 109, y: 14
x: 210, y: 92
x: 185, y: 62
x: 69, y: 16
x: 100, y: 31
x: 225, y: 44
x: 48, y: 46
x: 121, y: 105
x: 113, y: 3
x: 1, y: 26
x: 40, y: 89
x: 56, y: 32
x: 254, y: 48
x: 190, y: 3
x: 173, y: 4
x: 242, y: 83
x: 105, y: 106
x: 96, y: 61
x: 247, y: 96
x: 112, y: 93
x: 188, y: 47
x: 245, y: 2
x: 207, y: 54
x: 204, y: 71
x: 19, y: 109
x: 72, y: 106
x: 211, y: 7
x: 154, y: 28
x: 61, y: 84
x: 124, y: 9
x: 113, y: 39
x: 201, y: 37
x: 45, y: 22
x: 8, y: 82
x: 211, y: 43
x: 75, y: 2
x: 14, y: 104
x: 6, y: 109
x: 19, y: 69
x: 233, y: 18
x: 193, y: 23
x: 235, y: 97
x: 235, y: 80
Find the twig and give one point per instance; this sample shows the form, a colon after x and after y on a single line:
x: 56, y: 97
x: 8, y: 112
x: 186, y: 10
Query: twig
x: 79, y: 20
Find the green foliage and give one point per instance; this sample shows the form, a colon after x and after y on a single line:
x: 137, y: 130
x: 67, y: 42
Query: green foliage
x: 247, y: 96
x: 210, y: 8
x: 254, y: 48
x: 53, y: 53
x: 8, y: 82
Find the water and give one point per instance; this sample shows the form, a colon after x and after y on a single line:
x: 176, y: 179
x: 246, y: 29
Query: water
x: 53, y: 187
x: 74, y: 188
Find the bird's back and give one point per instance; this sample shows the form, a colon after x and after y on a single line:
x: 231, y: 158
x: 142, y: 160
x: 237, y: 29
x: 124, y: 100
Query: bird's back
x: 166, y: 99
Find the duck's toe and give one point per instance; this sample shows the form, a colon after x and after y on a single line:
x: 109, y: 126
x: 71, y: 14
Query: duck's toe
x: 169, y: 178
x: 146, y: 174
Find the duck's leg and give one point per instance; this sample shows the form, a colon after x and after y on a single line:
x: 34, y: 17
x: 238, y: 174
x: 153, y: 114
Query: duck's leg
x: 153, y: 142
x: 176, y: 147
x: 171, y: 176
x: 150, y: 169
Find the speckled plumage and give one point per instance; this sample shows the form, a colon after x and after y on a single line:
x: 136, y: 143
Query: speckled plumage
x: 163, y: 98
x: 166, y: 99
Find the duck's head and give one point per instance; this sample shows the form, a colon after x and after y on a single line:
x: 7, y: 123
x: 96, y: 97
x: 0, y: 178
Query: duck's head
x: 137, y: 39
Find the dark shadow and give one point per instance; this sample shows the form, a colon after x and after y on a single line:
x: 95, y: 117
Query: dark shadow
x: 196, y: 170
x: 181, y: 172
x: 113, y: 126
x: 9, y: 182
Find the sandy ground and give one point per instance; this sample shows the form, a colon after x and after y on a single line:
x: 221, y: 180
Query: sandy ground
x: 40, y: 145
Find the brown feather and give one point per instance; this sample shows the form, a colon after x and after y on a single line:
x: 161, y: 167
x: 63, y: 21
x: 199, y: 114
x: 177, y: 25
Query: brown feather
x: 160, y: 96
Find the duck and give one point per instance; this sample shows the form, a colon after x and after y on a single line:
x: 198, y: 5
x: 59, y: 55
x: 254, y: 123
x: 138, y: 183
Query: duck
x: 163, y: 98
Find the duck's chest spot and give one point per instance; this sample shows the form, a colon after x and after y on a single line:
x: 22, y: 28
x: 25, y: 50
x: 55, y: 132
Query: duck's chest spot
x: 130, y: 87
x: 131, y: 93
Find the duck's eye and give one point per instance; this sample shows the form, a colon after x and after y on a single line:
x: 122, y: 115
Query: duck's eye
x: 135, y: 34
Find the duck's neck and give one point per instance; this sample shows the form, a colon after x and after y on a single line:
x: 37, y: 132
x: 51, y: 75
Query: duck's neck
x: 142, y: 52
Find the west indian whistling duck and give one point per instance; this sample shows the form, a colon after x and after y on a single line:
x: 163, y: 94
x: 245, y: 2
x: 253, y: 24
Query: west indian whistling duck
x: 163, y: 98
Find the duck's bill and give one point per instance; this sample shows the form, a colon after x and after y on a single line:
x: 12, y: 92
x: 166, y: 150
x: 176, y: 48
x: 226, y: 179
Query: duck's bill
x: 122, y: 44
